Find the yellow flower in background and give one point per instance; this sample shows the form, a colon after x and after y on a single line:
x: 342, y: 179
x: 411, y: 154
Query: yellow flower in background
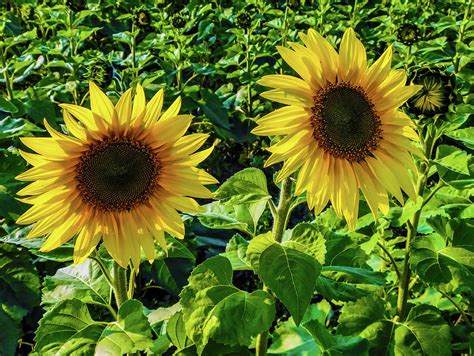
x: 120, y: 175
x: 341, y: 126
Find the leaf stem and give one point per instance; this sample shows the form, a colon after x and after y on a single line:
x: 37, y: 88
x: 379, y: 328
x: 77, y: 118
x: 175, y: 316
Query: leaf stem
x: 131, y: 283
x: 272, y: 207
x: 397, y: 271
x: 457, y: 306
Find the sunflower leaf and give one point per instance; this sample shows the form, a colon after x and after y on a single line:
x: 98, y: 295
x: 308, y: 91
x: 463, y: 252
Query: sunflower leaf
x: 244, y: 187
x: 439, y: 264
x: 19, y: 293
x: 85, y: 282
x: 67, y: 328
x: 130, y: 333
x: 291, y: 275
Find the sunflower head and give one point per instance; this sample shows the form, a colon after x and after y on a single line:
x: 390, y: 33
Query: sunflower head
x: 178, y: 21
x: 143, y: 19
x: 243, y: 20
x: 120, y: 175
x: 408, y: 34
x: 341, y: 126
x: 437, y: 91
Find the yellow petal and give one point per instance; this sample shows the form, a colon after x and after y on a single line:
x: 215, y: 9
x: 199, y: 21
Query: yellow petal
x: 139, y: 105
x: 153, y: 108
x: 289, y: 97
x: 172, y: 111
x: 100, y: 103
x: 352, y: 57
x: 62, y: 233
x: 124, y: 108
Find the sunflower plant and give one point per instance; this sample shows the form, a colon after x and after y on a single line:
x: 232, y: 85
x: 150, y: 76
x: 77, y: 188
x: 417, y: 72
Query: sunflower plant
x: 246, y: 177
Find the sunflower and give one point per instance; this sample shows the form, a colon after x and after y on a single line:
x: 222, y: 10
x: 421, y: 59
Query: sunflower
x: 341, y: 127
x: 437, y: 92
x: 408, y: 34
x: 120, y: 175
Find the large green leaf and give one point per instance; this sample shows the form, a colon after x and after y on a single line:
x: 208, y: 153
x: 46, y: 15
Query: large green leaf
x: 176, y: 332
x: 291, y: 275
x: 455, y: 167
x: 85, y: 282
x: 339, y: 291
x: 291, y: 340
x: 253, y: 311
x: 9, y: 335
x: 19, y: 282
x: 223, y: 217
x: 312, y: 239
x: 336, y: 344
x: 244, y: 187
x: 214, y: 271
x: 341, y: 250
x: 256, y: 247
x: 197, y: 307
x: 465, y: 135
x: 67, y: 328
x: 438, y: 264
x: 235, y: 251
x: 424, y: 332
x: 130, y: 333
x: 356, y: 316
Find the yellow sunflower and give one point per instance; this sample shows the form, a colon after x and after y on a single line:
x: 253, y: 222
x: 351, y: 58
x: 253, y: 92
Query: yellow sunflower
x: 120, y: 175
x: 341, y: 126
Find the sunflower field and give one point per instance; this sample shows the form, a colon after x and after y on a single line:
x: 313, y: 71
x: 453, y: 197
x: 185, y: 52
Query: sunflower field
x: 236, y: 177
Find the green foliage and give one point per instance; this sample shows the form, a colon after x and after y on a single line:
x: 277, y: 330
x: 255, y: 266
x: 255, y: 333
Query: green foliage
x: 130, y: 333
x: 19, y: 292
x: 85, y: 282
x: 212, y: 307
x: 322, y: 290
x: 68, y: 327
x: 291, y: 275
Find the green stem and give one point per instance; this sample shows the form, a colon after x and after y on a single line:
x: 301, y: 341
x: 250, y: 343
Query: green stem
x: 261, y: 344
x: 457, y: 306
x: 462, y: 29
x: 273, y: 208
x: 249, y: 67
x: 120, y: 283
x: 281, y: 218
x: 8, y: 82
x: 131, y: 283
x: 397, y: 271
x: 440, y: 185
x: 279, y: 225
x: 133, y: 52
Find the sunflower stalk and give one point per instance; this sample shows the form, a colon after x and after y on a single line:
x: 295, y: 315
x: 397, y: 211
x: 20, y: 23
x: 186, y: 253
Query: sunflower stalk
x: 279, y: 225
x: 120, y: 284
x: 412, y: 227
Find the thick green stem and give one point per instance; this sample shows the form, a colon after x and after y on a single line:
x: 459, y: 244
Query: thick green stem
x: 279, y: 225
x: 462, y: 30
x: 412, y: 226
x: 120, y: 283
x: 249, y: 68
x: 8, y: 82
x: 281, y: 218
x: 261, y: 344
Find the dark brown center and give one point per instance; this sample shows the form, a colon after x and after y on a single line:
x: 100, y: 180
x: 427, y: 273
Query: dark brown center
x: 345, y: 123
x: 117, y: 174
